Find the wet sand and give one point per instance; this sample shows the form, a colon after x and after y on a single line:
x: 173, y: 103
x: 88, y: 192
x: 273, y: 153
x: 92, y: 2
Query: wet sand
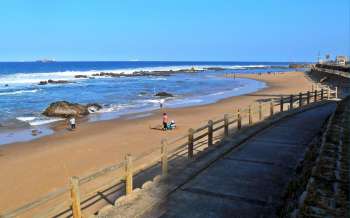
x: 32, y: 169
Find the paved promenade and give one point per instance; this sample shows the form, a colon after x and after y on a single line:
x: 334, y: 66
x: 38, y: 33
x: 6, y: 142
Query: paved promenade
x: 249, y: 181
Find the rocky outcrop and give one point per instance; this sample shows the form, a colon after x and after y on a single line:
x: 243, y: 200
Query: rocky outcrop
x: 215, y: 68
x: 80, y: 76
x: 164, y: 95
x: 66, y: 109
x: 50, y: 81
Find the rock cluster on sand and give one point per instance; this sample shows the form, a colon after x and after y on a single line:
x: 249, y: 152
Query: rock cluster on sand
x: 50, y: 81
x: 164, y: 94
x: 66, y: 109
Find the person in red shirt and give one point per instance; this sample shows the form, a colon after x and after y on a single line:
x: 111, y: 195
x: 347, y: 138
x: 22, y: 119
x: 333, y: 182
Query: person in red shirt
x: 165, y: 121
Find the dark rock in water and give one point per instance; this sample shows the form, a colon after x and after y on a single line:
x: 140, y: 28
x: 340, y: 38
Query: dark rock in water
x: 93, y: 107
x: 42, y: 83
x: 164, y: 94
x: 143, y: 93
x: 36, y: 132
x: 6, y: 85
x: 106, y: 74
x: 215, y: 68
x: 65, y: 109
x: 57, y: 81
x: 50, y: 81
x: 80, y: 76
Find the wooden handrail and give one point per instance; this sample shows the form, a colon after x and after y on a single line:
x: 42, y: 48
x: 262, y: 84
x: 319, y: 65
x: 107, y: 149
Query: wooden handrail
x: 35, y: 203
x: 98, y: 173
x: 301, y: 99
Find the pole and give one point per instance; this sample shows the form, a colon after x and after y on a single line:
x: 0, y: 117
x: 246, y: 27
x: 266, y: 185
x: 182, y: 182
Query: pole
x: 210, y: 133
x: 239, y: 120
x: 271, y: 107
x: 250, y: 115
x: 128, y: 174
x: 164, y: 155
x: 260, y: 111
x: 315, y: 96
x: 336, y: 92
x: 226, y: 124
x: 281, y: 104
x: 75, y: 196
x: 329, y: 93
x: 190, y: 143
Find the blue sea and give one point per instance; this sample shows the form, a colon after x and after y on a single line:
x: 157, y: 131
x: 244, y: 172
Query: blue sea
x: 22, y: 100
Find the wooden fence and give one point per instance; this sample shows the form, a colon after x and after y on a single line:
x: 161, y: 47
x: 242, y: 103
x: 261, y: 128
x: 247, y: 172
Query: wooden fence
x: 72, y: 199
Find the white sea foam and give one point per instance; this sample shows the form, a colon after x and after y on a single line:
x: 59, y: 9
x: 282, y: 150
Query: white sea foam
x: 26, y: 119
x: 36, y: 121
x: 34, y: 78
x: 39, y: 122
x: 114, y: 108
x: 18, y: 92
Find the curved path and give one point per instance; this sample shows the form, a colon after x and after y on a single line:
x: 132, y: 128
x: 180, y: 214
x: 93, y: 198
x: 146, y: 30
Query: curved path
x: 249, y: 181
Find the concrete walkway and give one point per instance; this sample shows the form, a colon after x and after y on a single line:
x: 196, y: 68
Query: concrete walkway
x: 249, y: 181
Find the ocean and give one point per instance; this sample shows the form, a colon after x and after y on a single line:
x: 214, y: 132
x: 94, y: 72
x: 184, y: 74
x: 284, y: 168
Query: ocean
x: 22, y: 99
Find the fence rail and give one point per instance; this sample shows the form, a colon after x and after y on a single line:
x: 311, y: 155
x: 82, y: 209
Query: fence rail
x: 187, y: 144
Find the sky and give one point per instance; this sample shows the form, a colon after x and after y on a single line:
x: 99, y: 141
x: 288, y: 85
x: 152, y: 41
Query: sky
x: 173, y: 30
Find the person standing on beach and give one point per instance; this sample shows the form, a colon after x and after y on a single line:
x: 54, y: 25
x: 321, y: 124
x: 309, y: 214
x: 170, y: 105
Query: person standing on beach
x: 72, y: 122
x: 161, y: 103
x: 165, y: 121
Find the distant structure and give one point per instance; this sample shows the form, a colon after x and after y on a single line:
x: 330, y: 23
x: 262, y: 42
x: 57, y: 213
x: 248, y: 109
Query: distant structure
x: 46, y: 60
x: 341, y: 60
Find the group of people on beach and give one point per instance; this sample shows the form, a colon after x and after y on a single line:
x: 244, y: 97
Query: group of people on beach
x: 71, y: 122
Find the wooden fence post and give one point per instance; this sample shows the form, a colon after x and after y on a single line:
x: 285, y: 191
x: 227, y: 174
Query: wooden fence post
x: 312, y: 87
x: 164, y: 154
x: 308, y: 97
x: 329, y: 93
x: 190, y: 143
x: 75, y: 196
x: 336, y: 92
x: 128, y: 174
x: 315, y: 96
x: 321, y: 94
x: 291, y: 102
x: 210, y: 133
x: 260, y: 111
x: 271, y: 107
x: 226, y: 124
x: 281, y: 104
x: 250, y: 115
x: 300, y: 99
x: 239, y: 120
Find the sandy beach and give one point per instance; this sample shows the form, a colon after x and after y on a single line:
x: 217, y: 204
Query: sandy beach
x: 32, y: 169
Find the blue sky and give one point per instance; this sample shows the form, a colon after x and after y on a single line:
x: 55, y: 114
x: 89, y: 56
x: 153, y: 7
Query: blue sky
x: 221, y: 30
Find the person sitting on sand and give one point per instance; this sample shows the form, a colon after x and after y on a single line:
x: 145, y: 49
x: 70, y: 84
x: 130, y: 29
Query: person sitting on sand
x: 172, y: 125
x: 72, y: 122
x: 165, y: 121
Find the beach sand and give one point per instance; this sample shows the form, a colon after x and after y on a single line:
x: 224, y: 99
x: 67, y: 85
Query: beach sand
x: 32, y: 169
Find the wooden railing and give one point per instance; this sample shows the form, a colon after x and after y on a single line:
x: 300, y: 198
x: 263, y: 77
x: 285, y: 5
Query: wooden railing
x: 84, y: 191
